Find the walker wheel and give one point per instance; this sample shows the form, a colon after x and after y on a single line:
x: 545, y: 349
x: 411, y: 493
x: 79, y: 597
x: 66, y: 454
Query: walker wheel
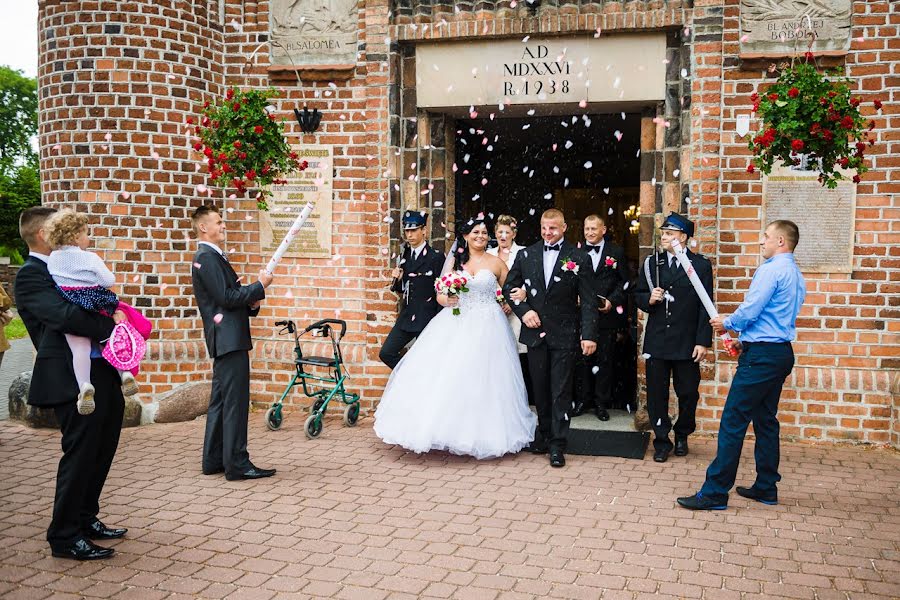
x: 273, y: 418
x: 317, y: 405
x: 351, y: 414
x: 312, y: 427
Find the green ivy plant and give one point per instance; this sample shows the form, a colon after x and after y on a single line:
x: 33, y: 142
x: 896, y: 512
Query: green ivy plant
x: 243, y: 143
x: 811, y: 113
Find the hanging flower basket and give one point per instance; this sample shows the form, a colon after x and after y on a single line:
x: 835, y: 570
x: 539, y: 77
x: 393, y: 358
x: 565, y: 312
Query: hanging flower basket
x: 809, y: 113
x: 243, y: 143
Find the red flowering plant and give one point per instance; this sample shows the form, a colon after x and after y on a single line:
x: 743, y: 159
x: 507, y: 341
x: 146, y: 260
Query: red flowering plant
x: 243, y: 143
x: 810, y: 113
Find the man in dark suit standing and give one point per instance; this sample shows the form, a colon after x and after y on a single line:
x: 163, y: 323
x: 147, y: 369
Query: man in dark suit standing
x: 677, y: 336
x: 607, y: 276
x: 89, y: 442
x: 552, y: 275
x: 226, y: 307
x: 413, y: 279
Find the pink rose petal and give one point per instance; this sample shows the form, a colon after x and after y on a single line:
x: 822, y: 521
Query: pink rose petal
x: 217, y: 318
x: 126, y: 195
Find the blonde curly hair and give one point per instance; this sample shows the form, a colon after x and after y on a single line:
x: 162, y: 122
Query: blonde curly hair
x: 64, y: 227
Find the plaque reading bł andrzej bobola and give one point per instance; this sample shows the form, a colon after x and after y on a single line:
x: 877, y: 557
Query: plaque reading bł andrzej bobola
x: 789, y: 27
x: 313, y: 32
x: 312, y: 185
x: 825, y: 217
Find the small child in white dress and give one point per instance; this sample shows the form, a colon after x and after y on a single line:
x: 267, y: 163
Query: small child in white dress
x: 83, y: 279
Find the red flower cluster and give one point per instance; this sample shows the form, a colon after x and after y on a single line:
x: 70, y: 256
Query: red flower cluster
x: 236, y: 137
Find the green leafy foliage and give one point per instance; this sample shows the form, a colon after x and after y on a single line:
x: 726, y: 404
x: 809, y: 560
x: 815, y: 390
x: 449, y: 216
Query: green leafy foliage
x: 244, y: 144
x: 807, y: 112
x: 18, y: 119
x: 20, y: 188
x: 20, y: 184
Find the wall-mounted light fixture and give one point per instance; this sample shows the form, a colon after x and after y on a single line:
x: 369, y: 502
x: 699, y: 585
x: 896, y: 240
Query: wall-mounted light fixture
x: 309, y: 121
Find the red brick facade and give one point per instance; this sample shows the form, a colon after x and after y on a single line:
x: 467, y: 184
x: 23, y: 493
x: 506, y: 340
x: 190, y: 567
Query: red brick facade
x: 135, y: 73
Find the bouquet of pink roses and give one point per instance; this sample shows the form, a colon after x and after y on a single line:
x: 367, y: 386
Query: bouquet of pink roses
x: 451, y: 284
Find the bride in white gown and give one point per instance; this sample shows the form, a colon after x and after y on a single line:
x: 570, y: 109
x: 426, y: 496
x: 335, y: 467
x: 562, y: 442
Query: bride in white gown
x: 460, y: 386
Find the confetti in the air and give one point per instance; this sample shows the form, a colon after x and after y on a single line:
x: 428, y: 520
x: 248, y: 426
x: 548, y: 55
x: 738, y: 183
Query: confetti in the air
x: 125, y: 195
x: 217, y: 318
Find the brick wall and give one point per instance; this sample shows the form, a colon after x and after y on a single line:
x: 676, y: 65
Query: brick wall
x: 136, y: 73
x: 116, y: 82
x: 847, y: 348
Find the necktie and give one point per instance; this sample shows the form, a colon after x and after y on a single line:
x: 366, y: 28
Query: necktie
x: 596, y: 249
x: 553, y: 247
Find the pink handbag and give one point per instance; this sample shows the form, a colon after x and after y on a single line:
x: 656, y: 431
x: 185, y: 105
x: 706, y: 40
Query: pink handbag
x: 125, y: 348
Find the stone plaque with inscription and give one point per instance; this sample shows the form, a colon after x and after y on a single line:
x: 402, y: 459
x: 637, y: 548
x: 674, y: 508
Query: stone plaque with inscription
x: 312, y: 185
x: 787, y: 27
x: 825, y: 217
x: 534, y: 70
x: 313, y: 32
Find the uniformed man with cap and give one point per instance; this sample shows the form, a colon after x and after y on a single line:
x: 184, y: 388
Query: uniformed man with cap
x: 677, y: 336
x: 419, y: 266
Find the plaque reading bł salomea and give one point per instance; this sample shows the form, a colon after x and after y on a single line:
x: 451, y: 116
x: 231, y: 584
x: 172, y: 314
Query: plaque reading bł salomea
x: 313, y: 32
x: 312, y: 185
x: 826, y: 217
x: 789, y: 27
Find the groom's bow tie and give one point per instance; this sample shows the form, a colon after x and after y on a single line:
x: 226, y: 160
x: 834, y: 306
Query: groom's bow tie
x: 596, y: 249
x: 553, y: 247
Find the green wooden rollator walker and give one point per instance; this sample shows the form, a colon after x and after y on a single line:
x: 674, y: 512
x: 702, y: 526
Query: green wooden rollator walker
x: 323, y: 394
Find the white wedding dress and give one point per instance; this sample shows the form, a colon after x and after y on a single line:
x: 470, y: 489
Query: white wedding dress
x: 460, y: 386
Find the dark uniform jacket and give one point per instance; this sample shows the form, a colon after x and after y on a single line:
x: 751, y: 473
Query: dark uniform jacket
x: 416, y: 288
x: 48, y: 317
x: 676, y: 326
x: 218, y: 292
x: 609, y: 282
x: 567, y: 308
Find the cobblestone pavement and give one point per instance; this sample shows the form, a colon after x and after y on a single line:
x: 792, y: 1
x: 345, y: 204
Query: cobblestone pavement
x: 347, y: 517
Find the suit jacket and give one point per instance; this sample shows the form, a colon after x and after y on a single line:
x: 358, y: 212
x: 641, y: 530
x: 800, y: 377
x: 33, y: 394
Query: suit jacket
x: 567, y: 308
x: 609, y: 282
x: 218, y: 292
x: 48, y: 317
x: 674, y: 327
x: 416, y: 288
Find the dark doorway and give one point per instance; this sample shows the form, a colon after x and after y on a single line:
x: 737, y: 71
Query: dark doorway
x: 523, y: 166
x: 580, y: 164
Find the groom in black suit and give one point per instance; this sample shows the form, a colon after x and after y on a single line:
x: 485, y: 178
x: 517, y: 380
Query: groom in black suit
x: 89, y: 442
x: 559, y: 313
x: 226, y: 307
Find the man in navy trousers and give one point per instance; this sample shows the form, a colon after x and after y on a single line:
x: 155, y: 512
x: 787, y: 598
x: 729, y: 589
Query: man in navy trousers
x: 766, y: 322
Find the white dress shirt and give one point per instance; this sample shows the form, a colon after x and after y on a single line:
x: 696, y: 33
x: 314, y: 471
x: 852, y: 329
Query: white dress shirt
x: 595, y: 256
x: 550, y: 258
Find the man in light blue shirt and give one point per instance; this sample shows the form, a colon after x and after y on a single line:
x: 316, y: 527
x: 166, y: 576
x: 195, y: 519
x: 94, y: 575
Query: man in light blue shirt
x: 766, y: 322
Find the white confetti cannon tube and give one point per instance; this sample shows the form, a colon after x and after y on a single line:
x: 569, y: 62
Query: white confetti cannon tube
x: 289, y: 237
x: 682, y: 258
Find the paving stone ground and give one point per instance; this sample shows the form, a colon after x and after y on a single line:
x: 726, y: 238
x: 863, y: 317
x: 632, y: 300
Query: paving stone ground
x: 348, y: 517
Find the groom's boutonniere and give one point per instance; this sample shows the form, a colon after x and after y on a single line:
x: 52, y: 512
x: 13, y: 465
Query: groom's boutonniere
x: 611, y: 262
x: 569, y: 265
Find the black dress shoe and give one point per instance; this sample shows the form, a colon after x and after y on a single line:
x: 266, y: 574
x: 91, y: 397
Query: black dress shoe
x: 700, y: 502
x: 251, y: 473
x: 213, y: 471
x: 81, y: 549
x: 602, y: 414
x: 98, y: 531
x: 557, y: 458
x: 537, y: 448
x: 661, y: 456
x: 681, y: 447
x: 770, y: 498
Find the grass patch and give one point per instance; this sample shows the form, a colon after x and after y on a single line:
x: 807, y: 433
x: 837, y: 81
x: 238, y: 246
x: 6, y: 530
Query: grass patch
x: 15, y: 329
